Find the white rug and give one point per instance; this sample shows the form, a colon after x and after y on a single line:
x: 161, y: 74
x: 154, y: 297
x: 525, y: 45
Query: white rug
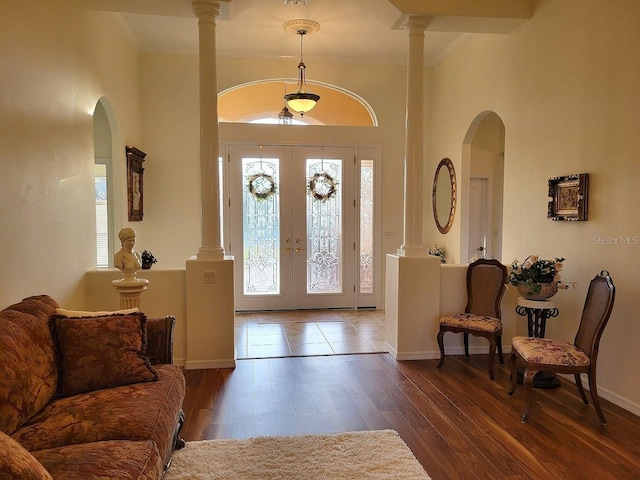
x: 378, y: 454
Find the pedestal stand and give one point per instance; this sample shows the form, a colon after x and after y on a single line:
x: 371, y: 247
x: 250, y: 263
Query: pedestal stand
x: 537, y: 313
x: 130, y: 288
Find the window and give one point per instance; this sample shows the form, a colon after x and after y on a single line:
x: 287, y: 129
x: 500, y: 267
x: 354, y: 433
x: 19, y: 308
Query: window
x: 103, y: 236
x: 366, y: 226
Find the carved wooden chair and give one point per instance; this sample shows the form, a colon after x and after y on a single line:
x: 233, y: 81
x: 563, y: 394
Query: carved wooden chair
x: 540, y: 354
x: 482, y: 317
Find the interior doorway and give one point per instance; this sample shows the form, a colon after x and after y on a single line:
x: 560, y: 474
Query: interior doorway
x: 479, y: 219
x: 482, y: 207
x: 293, y: 227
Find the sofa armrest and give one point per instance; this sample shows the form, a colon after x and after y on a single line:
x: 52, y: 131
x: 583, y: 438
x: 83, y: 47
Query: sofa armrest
x: 160, y: 339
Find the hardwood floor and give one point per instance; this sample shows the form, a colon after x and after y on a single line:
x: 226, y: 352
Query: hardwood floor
x: 458, y: 423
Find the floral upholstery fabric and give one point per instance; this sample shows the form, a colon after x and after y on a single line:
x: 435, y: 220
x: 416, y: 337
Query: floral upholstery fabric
x: 28, y: 370
x: 124, y: 432
x: 118, y: 459
x: 17, y: 463
x: 101, y: 352
x: 470, y: 321
x: 549, y: 352
x: 140, y: 411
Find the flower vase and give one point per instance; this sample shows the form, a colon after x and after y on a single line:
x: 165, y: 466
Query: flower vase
x: 537, y: 291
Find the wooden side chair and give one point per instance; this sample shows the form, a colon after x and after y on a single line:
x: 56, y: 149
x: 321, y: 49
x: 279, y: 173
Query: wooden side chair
x: 540, y: 354
x: 482, y: 317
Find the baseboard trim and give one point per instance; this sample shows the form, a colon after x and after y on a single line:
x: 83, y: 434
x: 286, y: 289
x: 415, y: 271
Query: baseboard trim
x: 614, y: 398
x: 180, y: 362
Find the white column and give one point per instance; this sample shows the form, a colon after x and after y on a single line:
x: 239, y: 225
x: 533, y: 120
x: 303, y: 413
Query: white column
x: 211, y: 249
x: 414, y: 147
x: 130, y: 288
x: 209, y: 280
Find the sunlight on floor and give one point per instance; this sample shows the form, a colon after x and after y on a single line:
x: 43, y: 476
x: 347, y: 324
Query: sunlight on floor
x: 309, y: 332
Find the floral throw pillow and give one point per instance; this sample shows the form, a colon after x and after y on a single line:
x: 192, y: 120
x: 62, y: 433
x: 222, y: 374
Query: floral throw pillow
x: 17, y: 462
x: 95, y: 353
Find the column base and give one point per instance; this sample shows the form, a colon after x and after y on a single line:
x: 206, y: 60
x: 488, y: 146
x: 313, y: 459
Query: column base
x: 130, y: 288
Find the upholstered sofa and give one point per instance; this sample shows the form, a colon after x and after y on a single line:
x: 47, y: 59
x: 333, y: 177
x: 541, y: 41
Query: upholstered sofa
x: 90, y: 397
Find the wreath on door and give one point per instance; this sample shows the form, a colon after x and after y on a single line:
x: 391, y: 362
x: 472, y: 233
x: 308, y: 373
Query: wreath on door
x: 261, y: 186
x: 322, y: 186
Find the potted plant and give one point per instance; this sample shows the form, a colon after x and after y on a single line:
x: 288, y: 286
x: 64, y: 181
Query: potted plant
x: 147, y: 259
x: 536, y: 278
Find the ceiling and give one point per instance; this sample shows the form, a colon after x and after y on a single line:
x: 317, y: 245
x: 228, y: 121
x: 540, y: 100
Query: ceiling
x: 362, y: 31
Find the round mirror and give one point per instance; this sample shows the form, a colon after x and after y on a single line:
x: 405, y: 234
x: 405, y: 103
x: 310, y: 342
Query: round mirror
x: 443, y: 197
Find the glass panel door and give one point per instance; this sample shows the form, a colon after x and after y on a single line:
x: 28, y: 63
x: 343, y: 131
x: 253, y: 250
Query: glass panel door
x: 261, y: 224
x: 292, y: 213
x: 324, y: 225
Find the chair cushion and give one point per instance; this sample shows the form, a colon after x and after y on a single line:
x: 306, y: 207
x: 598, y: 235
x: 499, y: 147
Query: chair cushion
x: 101, y: 352
x: 549, y: 352
x: 469, y: 321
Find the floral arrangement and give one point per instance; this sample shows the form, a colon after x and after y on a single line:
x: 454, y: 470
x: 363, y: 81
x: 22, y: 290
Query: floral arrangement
x: 437, y: 251
x: 537, y: 270
x: 147, y: 258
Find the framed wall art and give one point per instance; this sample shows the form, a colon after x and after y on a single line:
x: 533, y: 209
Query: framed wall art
x: 135, y: 190
x: 569, y: 197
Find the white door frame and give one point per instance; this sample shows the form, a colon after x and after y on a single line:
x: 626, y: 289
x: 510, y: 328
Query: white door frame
x: 372, y: 296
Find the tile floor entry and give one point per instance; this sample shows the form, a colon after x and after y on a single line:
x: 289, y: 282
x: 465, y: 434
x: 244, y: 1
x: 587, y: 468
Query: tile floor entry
x: 308, y: 332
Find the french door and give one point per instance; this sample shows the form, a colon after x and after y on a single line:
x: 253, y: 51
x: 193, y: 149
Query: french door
x: 293, y: 216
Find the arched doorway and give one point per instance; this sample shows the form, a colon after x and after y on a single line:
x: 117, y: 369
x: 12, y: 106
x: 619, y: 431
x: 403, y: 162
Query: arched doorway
x: 483, y: 184
x: 262, y: 100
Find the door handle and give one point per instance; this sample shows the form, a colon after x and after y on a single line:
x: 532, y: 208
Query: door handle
x: 287, y: 250
x: 299, y: 250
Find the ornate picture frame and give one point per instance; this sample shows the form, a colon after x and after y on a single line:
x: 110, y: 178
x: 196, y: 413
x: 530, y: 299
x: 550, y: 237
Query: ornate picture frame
x: 135, y: 190
x: 569, y: 197
x: 444, y: 195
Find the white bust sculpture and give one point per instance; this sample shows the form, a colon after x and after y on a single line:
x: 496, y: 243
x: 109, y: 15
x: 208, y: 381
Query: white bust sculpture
x: 126, y: 259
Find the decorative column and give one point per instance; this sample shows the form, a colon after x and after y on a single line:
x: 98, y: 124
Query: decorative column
x: 412, y: 286
x: 414, y: 146
x: 130, y: 289
x: 207, y: 11
x: 209, y: 274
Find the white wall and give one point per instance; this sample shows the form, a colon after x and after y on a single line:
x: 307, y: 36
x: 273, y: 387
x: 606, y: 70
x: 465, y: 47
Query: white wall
x: 565, y: 85
x: 57, y: 61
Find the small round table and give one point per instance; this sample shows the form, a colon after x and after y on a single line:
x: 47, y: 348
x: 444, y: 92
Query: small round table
x: 537, y: 313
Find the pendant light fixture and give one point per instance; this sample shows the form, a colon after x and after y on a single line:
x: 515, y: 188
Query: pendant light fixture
x: 285, y: 117
x: 302, y: 100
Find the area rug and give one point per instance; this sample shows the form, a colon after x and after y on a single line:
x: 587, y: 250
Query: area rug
x: 370, y: 455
